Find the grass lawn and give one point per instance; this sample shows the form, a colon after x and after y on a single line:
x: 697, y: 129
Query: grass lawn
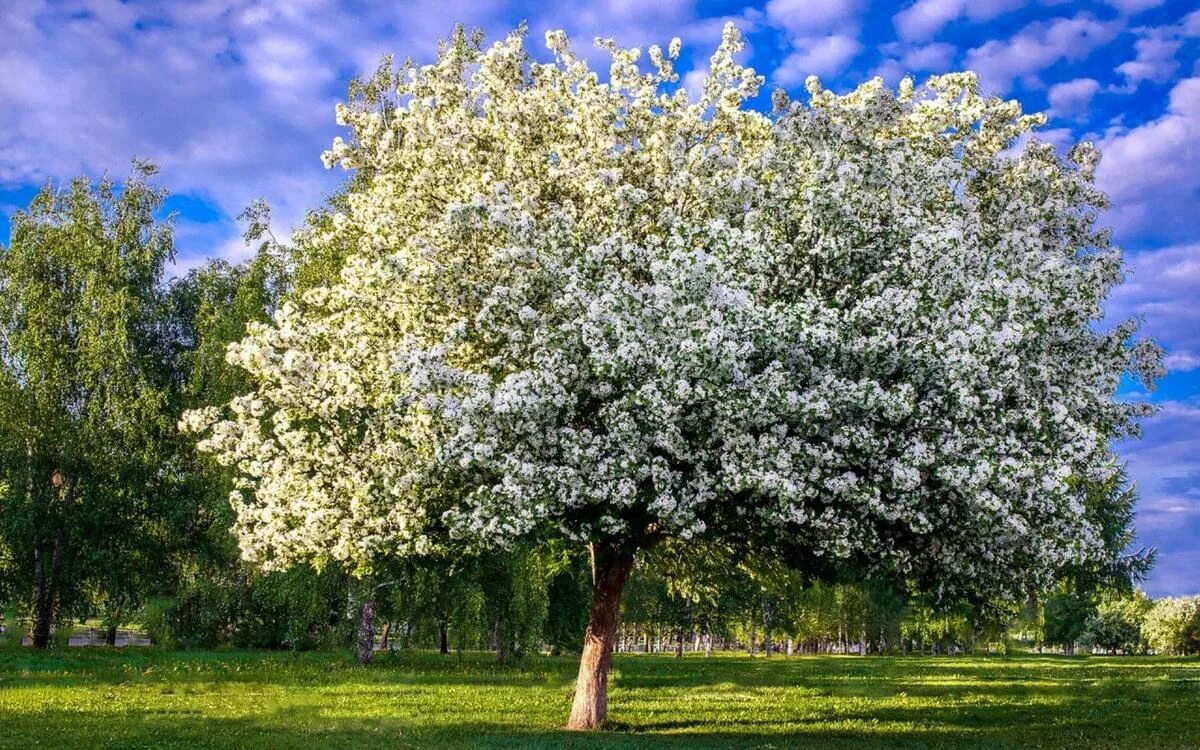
x: 145, y: 698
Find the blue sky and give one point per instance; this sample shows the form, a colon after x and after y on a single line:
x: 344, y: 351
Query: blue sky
x: 235, y: 101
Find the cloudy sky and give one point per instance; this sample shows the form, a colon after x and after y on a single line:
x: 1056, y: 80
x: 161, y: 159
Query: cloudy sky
x: 235, y: 101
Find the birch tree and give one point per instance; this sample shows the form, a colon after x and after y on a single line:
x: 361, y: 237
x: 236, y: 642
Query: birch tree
x: 81, y: 390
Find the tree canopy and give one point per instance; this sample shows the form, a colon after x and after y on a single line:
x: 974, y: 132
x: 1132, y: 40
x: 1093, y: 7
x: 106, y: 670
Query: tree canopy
x: 861, y: 331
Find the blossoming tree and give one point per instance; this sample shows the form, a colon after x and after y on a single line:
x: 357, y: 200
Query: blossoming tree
x: 861, y: 330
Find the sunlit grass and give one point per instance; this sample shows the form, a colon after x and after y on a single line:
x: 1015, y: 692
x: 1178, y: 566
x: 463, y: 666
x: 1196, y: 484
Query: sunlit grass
x: 150, y: 699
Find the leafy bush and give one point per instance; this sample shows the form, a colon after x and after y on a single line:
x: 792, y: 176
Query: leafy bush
x: 1173, y: 625
x: 298, y: 609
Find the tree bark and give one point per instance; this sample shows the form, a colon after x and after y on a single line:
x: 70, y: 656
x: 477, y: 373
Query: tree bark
x: 678, y: 644
x: 46, y: 592
x: 114, y: 619
x: 443, y: 638
x: 610, y: 570
x: 385, y: 639
x: 366, y: 630
x: 500, y: 640
x: 41, y: 618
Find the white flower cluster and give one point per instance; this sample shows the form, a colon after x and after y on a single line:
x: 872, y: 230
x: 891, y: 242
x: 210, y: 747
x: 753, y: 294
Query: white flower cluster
x: 598, y: 309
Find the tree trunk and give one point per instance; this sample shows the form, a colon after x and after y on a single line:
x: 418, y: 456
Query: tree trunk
x: 366, y: 630
x: 45, y: 610
x: 500, y: 640
x: 708, y: 647
x: 678, y: 644
x: 791, y: 645
x: 41, y: 615
x: 443, y: 638
x: 610, y: 570
x: 753, y: 635
x: 862, y: 643
x: 114, y: 618
x: 385, y: 639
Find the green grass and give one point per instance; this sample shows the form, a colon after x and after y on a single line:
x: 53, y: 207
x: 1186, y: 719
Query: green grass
x: 146, y: 698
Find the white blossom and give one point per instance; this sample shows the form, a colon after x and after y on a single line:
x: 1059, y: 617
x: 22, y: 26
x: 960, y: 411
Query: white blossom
x: 589, y: 308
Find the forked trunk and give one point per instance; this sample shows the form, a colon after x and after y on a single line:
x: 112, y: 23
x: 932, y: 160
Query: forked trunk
x: 610, y: 570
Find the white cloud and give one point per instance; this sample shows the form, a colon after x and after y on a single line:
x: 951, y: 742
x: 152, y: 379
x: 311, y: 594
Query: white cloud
x: 1155, y: 60
x: 693, y: 82
x: 1152, y: 172
x: 234, y: 99
x: 1182, y: 362
x: 1130, y: 7
x: 935, y: 57
x: 803, y: 17
x: 1038, y: 46
x: 1162, y: 289
x: 901, y: 59
x: 1156, y: 49
x: 820, y: 56
x: 1072, y: 97
x: 1163, y: 466
x: 925, y: 18
x: 822, y: 37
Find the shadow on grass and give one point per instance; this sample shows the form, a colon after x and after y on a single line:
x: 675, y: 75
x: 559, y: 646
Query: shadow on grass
x: 240, y: 699
x: 996, y: 729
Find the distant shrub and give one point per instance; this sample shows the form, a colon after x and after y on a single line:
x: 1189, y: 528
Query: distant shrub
x: 1173, y: 625
x: 1116, y: 626
x: 297, y: 609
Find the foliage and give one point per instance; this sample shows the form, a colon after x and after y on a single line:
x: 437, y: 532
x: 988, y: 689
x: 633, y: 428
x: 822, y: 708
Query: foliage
x: 1116, y: 627
x: 83, y: 395
x: 1065, y: 616
x: 606, y: 313
x: 1172, y: 626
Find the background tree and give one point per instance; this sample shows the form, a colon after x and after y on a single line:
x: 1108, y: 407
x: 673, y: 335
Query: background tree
x: 1116, y: 627
x: 1172, y: 625
x: 83, y: 389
